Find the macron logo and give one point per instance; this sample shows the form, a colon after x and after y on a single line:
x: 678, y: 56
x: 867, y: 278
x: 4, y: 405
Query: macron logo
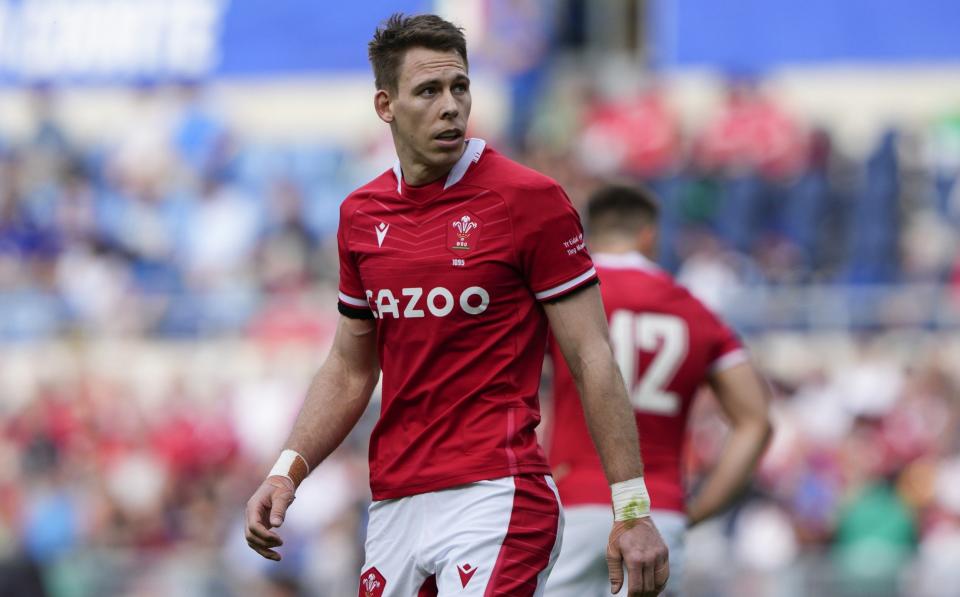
x: 466, y: 573
x: 381, y: 230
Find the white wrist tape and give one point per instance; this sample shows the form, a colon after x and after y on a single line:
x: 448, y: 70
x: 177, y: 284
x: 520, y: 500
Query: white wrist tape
x: 291, y: 465
x: 630, y: 500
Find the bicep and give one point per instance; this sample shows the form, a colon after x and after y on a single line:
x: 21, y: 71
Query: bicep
x: 579, y: 326
x: 355, y: 344
x: 742, y: 392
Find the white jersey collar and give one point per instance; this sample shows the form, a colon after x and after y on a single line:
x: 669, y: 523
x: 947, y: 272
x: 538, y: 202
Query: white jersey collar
x: 471, y: 155
x: 629, y: 260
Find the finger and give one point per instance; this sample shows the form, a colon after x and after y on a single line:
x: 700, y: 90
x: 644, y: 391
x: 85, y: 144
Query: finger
x: 661, y: 575
x: 256, y: 542
x: 648, y: 584
x: 263, y: 533
x: 615, y: 568
x: 634, y: 577
x: 279, y: 510
x: 273, y: 540
x: 265, y: 552
x: 258, y: 529
x: 257, y: 509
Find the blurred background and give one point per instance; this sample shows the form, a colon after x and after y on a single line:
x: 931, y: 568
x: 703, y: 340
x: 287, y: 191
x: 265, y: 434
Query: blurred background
x: 170, y: 172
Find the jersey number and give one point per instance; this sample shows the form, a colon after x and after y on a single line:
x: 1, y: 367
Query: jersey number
x: 663, y: 335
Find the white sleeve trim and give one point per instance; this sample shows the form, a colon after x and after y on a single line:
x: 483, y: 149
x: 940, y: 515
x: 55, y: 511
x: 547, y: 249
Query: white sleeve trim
x: 353, y: 302
x: 552, y: 292
x: 731, y: 359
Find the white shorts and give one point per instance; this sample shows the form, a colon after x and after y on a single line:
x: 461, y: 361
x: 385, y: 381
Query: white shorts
x: 581, y: 570
x: 499, y: 537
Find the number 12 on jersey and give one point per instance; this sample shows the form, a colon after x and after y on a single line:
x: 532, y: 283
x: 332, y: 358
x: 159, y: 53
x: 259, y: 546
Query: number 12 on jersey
x: 664, y: 335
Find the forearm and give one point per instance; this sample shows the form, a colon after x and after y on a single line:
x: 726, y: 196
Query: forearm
x: 609, y: 415
x: 733, y: 470
x: 334, y: 403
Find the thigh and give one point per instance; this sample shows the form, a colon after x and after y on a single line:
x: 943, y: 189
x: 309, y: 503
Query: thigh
x: 390, y: 566
x: 581, y: 569
x: 497, y: 538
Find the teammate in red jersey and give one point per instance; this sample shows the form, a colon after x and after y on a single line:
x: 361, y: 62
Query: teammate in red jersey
x: 452, y: 266
x: 667, y: 345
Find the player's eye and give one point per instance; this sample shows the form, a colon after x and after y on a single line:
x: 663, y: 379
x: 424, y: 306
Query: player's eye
x: 460, y: 88
x: 428, y: 91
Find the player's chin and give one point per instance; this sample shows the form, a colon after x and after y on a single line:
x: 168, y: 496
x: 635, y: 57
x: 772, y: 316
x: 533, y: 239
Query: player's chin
x: 444, y: 157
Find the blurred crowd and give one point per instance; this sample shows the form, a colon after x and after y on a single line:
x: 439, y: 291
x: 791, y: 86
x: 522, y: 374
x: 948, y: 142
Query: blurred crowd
x: 164, y: 298
x: 127, y: 467
x: 858, y: 492
x: 175, y: 229
x: 756, y: 196
x: 127, y: 464
x: 182, y: 228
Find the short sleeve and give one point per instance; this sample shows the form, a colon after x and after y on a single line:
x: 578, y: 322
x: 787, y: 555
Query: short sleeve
x: 352, y: 301
x: 551, y: 248
x: 726, y: 349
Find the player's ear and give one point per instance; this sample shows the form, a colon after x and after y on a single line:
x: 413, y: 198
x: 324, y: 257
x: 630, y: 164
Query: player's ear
x: 647, y: 240
x: 383, y: 104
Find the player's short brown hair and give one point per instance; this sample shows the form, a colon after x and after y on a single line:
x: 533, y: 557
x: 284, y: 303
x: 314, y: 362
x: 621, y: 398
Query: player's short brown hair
x: 623, y: 209
x: 399, y: 33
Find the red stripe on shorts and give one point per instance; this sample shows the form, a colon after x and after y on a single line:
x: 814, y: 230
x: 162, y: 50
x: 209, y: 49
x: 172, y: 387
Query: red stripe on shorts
x: 529, y: 541
x: 429, y: 587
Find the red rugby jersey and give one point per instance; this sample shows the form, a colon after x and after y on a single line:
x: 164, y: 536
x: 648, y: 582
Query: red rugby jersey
x: 453, y: 273
x: 666, y: 343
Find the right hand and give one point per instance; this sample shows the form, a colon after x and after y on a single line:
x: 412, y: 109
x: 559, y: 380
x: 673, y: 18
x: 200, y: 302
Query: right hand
x: 265, y: 510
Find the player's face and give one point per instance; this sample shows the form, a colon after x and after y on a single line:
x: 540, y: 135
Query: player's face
x: 429, y: 110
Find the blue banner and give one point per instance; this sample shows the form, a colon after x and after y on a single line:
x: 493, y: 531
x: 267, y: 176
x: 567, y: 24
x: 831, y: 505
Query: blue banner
x: 147, y: 40
x: 755, y: 35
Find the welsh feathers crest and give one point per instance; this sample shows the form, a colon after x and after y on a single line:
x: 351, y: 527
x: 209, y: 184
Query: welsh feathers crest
x: 464, y: 226
x: 372, y: 583
x: 463, y: 232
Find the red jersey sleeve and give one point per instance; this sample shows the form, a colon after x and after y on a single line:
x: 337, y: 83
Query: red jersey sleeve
x: 550, y: 245
x: 726, y: 350
x: 352, y: 299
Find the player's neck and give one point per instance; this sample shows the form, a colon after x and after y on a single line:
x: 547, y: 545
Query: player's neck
x: 418, y: 174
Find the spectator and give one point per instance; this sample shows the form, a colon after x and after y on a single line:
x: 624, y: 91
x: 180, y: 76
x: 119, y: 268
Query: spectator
x: 751, y: 132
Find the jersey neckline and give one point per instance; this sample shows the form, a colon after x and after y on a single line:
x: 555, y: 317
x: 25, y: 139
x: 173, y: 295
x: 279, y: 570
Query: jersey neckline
x: 471, y: 155
x: 628, y: 260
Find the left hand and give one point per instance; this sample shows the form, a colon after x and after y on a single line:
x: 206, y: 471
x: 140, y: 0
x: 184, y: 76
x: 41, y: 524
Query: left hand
x: 638, y: 545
